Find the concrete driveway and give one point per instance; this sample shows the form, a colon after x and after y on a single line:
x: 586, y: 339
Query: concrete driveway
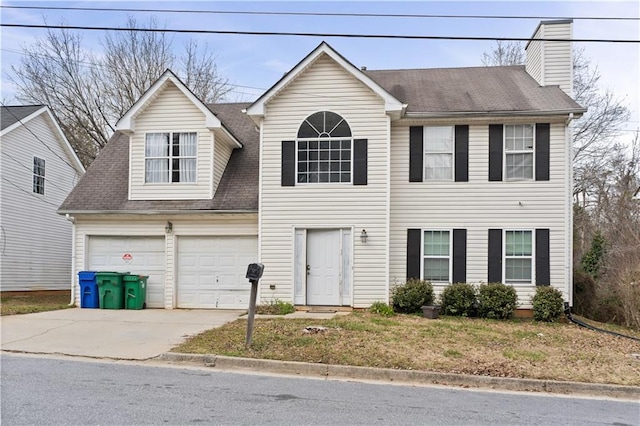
x: 103, y: 333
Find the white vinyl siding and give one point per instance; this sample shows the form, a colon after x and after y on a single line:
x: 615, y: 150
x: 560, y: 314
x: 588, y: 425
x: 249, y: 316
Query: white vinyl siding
x: 479, y: 205
x: 222, y: 153
x: 551, y: 62
x: 35, y: 241
x: 325, y: 86
x: 171, y: 111
x: 135, y: 226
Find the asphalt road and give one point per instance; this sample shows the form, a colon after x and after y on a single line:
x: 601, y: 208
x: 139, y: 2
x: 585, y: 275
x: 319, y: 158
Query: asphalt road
x: 52, y: 391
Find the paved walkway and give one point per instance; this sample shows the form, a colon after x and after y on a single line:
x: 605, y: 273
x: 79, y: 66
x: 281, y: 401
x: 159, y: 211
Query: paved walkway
x: 104, y: 333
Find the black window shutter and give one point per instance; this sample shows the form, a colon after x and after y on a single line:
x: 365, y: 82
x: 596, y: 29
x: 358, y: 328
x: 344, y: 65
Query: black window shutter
x: 414, y: 240
x: 459, y: 256
x: 288, y: 177
x: 416, y: 153
x: 543, y: 134
x: 360, y: 161
x: 462, y: 154
x: 495, y: 152
x: 543, y: 269
x: 494, y: 273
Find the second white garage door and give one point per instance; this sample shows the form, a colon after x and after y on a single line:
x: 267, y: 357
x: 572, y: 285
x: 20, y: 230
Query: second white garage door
x: 211, y: 271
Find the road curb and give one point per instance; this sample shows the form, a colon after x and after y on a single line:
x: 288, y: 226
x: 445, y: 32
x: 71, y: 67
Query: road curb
x: 404, y: 376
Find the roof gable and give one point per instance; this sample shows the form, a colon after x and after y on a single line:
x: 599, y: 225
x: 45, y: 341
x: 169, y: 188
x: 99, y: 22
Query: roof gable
x: 18, y: 116
x: 392, y: 105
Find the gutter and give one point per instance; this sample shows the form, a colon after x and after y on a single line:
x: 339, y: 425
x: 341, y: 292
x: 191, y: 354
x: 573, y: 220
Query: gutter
x: 155, y: 212
x: 571, y: 112
x: 73, y: 259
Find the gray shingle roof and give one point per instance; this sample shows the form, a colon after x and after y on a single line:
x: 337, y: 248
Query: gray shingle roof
x: 10, y: 114
x: 104, y: 187
x: 477, y: 89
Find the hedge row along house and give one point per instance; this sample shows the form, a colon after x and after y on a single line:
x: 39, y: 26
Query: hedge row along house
x: 342, y: 181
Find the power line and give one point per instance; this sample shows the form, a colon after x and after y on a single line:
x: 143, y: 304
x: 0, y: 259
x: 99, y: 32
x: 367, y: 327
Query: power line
x: 27, y: 192
x: 324, y: 35
x: 326, y: 14
x: 29, y: 168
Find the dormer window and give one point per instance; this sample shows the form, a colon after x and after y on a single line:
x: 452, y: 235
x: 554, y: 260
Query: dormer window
x: 324, y: 149
x: 170, y: 157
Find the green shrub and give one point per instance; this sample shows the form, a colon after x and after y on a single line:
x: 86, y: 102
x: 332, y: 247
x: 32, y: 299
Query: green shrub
x: 381, y: 308
x: 275, y: 307
x: 458, y: 299
x: 409, y: 297
x: 497, y: 301
x: 547, y: 304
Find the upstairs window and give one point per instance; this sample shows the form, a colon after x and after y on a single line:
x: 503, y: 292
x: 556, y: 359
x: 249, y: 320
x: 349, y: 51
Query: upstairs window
x: 38, y: 175
x: 170, y: 157
x: 438, y: 153
x: 324, y: 147
x: 518, y: 149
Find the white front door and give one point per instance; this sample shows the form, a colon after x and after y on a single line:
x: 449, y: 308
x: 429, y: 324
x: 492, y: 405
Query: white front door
x: 323, y: 267
x: 137, y: 255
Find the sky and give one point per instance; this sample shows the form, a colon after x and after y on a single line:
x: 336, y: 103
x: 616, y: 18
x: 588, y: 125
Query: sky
x: 253, y: 63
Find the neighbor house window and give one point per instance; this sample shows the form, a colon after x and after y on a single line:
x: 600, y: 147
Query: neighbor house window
x: 436, y: 256
x: 324, y: 149
x: 518, y: 257
x: 438, y: 153
x: 38, y: 175
x: 170, y: 157
x: 518, y: 149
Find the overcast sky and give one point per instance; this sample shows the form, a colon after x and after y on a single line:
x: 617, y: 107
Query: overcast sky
x: 259, y: 61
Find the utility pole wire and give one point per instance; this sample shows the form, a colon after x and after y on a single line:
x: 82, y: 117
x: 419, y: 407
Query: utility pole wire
x: 327, y: 14
x: 324, y: 35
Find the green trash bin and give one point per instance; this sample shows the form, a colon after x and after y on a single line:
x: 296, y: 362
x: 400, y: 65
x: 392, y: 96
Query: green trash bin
x: 135, y: 291
x: 110, y: 289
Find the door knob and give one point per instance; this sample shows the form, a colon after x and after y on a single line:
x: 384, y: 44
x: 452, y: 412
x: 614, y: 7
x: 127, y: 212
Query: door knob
x: 308, y: 269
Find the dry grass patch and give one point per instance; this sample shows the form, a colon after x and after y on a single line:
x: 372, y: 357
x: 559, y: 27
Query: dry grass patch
x: 517, y: 348
x: 24, y: 302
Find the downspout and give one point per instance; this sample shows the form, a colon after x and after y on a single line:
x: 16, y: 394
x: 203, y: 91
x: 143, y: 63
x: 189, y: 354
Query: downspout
x: 73, y: 258
x: 569, y: 207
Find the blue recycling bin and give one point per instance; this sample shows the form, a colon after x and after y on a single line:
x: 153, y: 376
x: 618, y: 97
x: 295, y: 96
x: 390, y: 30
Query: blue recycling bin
x: 89, y: 294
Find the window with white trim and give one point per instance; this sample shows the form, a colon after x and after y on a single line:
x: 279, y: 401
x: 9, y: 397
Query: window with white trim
x: 38, y: 175
x: 518, y: 150
x: 436, y: 256
x: 170, y: 157
x: 518, y: 257
x: 438, y: 152
x: 324, y: 149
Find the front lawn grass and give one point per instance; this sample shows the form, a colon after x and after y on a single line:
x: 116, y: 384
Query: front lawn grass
x: 514, y: 348
x: 14, y: 303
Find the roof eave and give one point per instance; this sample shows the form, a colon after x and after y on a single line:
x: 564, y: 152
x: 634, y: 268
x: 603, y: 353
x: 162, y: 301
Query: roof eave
x: 576, y: 111
x: 153, y: 212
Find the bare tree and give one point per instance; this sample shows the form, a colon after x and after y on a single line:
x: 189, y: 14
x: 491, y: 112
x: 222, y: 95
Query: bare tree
x: 89, y: 92
x: 504, y: 53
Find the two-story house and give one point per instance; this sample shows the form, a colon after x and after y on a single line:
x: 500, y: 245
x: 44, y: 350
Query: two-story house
x: 342, y: 182
x: 39, y: 169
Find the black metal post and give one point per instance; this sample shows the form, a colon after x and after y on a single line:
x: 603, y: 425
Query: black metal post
x: 252, y: 311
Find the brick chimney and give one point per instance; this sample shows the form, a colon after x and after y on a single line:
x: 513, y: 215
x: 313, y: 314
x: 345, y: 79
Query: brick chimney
x: 551, y: 62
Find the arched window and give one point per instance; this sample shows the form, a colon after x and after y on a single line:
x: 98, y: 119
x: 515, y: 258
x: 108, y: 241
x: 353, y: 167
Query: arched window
x: 324, y: 149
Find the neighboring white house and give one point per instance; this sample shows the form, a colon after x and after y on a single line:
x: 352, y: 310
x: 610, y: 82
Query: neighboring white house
x: 38, y: 169
x: 342, y: 181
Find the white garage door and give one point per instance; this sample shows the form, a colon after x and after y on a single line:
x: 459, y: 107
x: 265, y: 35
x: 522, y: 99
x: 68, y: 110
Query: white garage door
x: 211, y: 271
x: 138, y: 255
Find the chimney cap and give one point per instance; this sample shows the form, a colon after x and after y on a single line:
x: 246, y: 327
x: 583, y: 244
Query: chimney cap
x: 363, y: 68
